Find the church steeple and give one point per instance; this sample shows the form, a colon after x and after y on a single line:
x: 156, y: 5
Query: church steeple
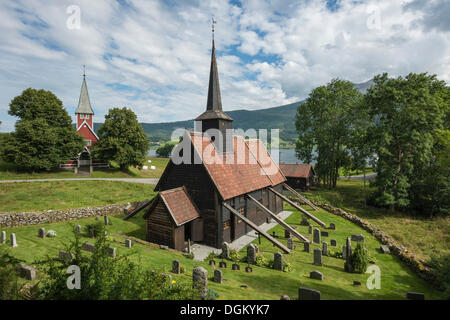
x: 84, y: 104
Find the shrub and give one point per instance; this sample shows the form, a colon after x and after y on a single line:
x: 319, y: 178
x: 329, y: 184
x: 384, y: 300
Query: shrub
x: 211, y: 256
x: 360, y: 259
x: 9, y: 278
x: 182, y: 269
x: 211, y: 295
x: 287, y: 267
x: 93, y: 230
x: 189, y: 255
x: 441, y: 270
x: 235, y: 255
x: 261, y: 261
x: 335, y: 254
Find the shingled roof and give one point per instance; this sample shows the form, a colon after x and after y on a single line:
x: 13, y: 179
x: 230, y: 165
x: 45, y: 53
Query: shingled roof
x: 296, y: 170
x: 84, y: 104
x: 179, y: 204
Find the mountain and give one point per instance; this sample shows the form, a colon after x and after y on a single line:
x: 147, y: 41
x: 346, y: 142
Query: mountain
x: 282, y: 117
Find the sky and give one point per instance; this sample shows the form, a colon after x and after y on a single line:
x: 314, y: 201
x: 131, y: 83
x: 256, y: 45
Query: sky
x: 154, y: 56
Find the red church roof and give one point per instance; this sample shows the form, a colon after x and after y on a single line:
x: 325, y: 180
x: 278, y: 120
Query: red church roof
x: 180, y: 205
x: 297, y: 170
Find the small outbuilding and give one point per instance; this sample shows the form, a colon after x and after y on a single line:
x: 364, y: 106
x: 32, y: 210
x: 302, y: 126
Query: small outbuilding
x: 298, y: 175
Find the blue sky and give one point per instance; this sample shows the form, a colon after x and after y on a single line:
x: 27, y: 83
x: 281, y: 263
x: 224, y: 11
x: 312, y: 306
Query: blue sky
x: 154, y: 56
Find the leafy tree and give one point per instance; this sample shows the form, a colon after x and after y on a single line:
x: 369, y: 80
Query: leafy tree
x: 441, y: 270
x: 165, y: 150
x: 122, y: 139
x: 325, y: 123
x: 44, y: 135
x: 408, y: 115
x: 10, y: 287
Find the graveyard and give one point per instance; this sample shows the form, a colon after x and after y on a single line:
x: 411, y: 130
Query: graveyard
x: 263, y: 282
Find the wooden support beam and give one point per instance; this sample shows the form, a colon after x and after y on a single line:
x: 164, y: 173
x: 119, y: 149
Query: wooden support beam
x: 292, y: 203
x: 277, y: 219
x: 136, y: 211
x: 256, y: 228
x: 298, y: 195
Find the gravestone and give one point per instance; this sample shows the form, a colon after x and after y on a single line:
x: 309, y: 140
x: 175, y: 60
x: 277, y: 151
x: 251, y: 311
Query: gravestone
x: 308, y: 294
x: 112, y: 252
x: 310, y: 229
x: 88, y: 247
x: 251, y: 254
x: 385, y: 249
x: 66, y: 256
x: 332, y: 226
x: 278, y: 261
x: 287, y: 234
x: 356, y: 283
x: 3, y: 237
x: 78, y: 229
x: 306, y: 246
x: 13, y: 240
x: 325, y: 249
x: 317, y: 257
x: 324, y: 233
x: 222, y: 264
x: 316, y: 237
x: 212, y: 263
x: 128, y: 243
x: 176, y: 266
x: 27, y: 272
x: 333, y: 243
x: 316, y: 275
x: 218, y: 276
x: 235, y: 266
x: 415, y: 296
x: 41, y: 233
x: 344, y: 252
x: 106, y: 220
x: 348, y: 255
x: 248, y: 269
x: 285, y: 297
x: 200, y: 281
x: 290, y: 244
x: 225, y: 250
x: 357, y: 237
x: 51, y: 233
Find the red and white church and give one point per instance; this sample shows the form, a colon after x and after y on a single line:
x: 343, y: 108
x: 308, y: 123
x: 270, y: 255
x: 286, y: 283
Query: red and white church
x: 85, y: 118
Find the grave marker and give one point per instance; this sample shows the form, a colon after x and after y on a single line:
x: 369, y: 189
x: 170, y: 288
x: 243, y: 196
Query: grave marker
x: 176, y: 266
x: 317, y: 257
x: 316, y: 237
x: 41, y: 233
x: 325, y: 249
x: 218, y: 276
x: 316, y: 275
x: 13, y: 240
x: 278, y: 261
x: 308, y: 294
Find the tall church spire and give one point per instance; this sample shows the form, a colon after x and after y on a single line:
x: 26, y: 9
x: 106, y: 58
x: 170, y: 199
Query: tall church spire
x: 84, y: 104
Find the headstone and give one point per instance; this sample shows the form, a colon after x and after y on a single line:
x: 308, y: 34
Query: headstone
x: 27, y: 272
x: 88, y: 247
x: 251, y: 254
x: 332, y: 226
x: 306, y: 246
x: 287, y: 234
x: 316, y: 275
x: 200, y: 281
x: 357, y: 237
x: 51, y: 233
x: 106, y: 220
x: 3, y: 237
x: 310, y: 229
x: 218, y: 276
x: 308, y: 294
x: 356, y: 283
x: 348, y: 256
x: 66, y: 256
x: 324, y: 233
x: 13, y: 240
x: 325, y: 249
x: 225, y: 250
x: 248, y: 269
x: 333, y: 243
x: 41, y: 233
x: 78, y: 229
x: 290, y: 244
x: 128, y: 243
x: 285, y: 297
x: 222, y: 264
x: 385, y: 249
x: 316, y: 237
x: 212, y: 263
x: 415, y: 296
x: 278, y: 261
x: 317, y: 257
x: 112, y: 252
x: 235, y: 266
x: 176, y: 266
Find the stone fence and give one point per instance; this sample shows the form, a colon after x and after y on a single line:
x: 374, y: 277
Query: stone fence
x: 30, y: 218
x: 417, y: 264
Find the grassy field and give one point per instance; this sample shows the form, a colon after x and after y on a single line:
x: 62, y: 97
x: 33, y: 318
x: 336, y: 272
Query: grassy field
x: 426, y: 237
x: 263, y: 283
x: 9, y: 172
x: 52, y: 195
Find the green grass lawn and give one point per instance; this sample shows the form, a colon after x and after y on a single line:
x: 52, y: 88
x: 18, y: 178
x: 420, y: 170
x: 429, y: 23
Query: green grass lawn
x: 263, y: 283
x: 52, y: 195
x: 426, y: 237
x: 9, y: 172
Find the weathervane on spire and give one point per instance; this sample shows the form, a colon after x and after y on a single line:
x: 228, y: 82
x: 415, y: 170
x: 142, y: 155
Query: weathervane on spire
x: 212, y: 26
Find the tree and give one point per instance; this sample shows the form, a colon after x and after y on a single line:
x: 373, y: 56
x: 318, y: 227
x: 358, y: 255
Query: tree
x: 122, y: 139
x: 44, y: 135
x: 325, y: 123
x: 408, y: 114
x: 165, y: 150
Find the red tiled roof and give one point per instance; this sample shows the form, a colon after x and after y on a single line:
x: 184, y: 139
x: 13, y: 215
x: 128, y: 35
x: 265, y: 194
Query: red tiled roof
x: 296, y: 170
x: 251, y: 167
x: 180, y: 205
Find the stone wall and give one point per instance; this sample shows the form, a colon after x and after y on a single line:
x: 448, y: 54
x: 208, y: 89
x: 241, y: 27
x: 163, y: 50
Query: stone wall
x: 396, y: 248
x: 30, y: 218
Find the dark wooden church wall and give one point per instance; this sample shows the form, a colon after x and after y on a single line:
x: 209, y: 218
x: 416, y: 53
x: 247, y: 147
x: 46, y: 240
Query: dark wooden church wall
x: 160, y: 227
